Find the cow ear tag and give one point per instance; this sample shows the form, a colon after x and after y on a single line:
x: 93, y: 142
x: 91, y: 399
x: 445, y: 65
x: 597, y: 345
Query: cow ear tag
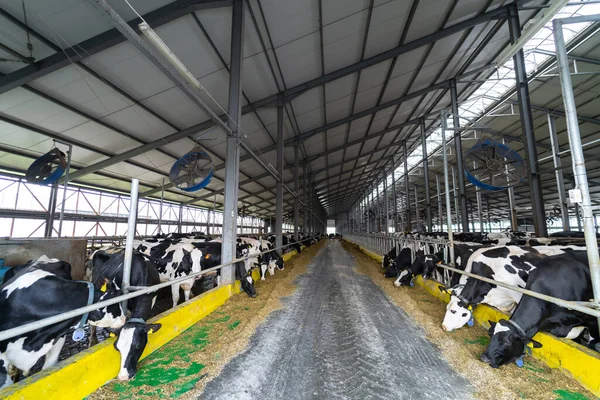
x: 519, y: 362
x: 207, y: 257
x: 439, y: 263
x: 471, y: 323
x: 78, y: 335
x: 470, y: 308
x: 528, y: 350
x: 104, y: 288
x: 111, y: 335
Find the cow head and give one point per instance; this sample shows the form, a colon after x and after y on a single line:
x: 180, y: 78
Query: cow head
x: 507, y: 344
x: 389, y: 257
x: 245, y: 278
x: 242, y: 248
x: 111, y: 316
x: 458, y: 311
x: 406, y: 276
x: 131, y: 342
x: 430, y: 263
x: 248, y: 284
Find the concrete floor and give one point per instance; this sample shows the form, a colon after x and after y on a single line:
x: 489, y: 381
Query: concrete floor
x: 339, y: 337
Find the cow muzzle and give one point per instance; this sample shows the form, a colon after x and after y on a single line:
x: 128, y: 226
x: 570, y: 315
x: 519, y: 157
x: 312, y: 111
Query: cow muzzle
x: 485, y: 358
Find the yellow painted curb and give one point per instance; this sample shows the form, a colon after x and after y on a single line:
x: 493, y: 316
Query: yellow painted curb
x: 83, y: 373
x: 287, y: 256
x: 578, y: 361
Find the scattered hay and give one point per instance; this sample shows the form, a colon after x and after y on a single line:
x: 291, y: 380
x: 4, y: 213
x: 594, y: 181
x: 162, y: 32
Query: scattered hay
x: 181, y: 368
x: 462, y: 348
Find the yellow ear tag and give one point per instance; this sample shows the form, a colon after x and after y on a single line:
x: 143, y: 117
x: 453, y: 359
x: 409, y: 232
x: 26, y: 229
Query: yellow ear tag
x: 439, y: 263
x: 104, y: 288
x: 151, y: 331
x: 470, y: 308
x: 207, y: 256
x: 111, y: 335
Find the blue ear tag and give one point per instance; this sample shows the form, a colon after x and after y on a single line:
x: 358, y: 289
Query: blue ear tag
x: 519, y: 362
x: 471, y: 323
x: 412, y: 282
x: 78, y: 334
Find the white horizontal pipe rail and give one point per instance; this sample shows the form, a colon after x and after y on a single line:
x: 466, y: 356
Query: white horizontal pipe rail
x: 17, y: 331
x: 586, y: 308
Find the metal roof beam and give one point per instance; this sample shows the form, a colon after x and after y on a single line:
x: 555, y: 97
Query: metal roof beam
x: 498, y: 13
x: 98, y: 43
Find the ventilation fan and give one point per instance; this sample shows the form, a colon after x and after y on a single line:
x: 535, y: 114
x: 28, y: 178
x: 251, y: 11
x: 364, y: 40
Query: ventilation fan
x: 47, y: 169
x: 193, y: 171
x: 491, y: 165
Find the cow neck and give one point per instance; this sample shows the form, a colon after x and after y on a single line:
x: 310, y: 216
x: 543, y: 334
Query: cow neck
x: 520, y: 331
x: 136, y: 321
x: 90, y: 300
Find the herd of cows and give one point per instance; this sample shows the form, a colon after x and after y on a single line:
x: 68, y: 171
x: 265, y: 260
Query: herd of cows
x: 550, y: 266
x: 43, y: 287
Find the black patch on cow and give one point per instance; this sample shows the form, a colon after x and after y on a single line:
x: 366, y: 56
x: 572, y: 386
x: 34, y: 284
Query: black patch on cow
x: 523, y: 275
x: 510, y: 269
x: 482, y: 269
x: 501, y: 252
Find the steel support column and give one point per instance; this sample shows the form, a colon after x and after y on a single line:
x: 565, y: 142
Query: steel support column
x: 297, y: 190
x: 394, y: 198
x: 560, y: 183
x: 456, y: 201
x: 51, y: 211
x: 439, y: 200
x: 417, y: 217
x: 232, y: 162
x: 377, y: 208
x: 428, y: 221
x: 279, y: 190
x: 386, y: 206
x: 462, y: 196
x: 305, y: 199
x: 535, y: 184
x: 479, y: 208
x: 407, y: 225
x: 579, y: 171
x: 447, y: 188
x: 512, y: 208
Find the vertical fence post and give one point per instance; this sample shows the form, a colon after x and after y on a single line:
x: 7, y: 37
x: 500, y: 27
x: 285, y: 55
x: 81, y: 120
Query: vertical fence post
x: 407, y: 224
x: 131, y: 224
x: 579, y: 170
x: 439, y: 199
x: 65, y: 184
x: 426, y: 173
x: 560, y: 183
x: 447, y: 188
x: 394, y: 199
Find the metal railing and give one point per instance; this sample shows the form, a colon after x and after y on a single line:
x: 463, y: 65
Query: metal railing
x: 136, y: 292
x: 376, y: 242
x: 381, y: 244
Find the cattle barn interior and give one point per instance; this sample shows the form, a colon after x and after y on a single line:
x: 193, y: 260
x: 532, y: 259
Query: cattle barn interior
x: 203, y: 145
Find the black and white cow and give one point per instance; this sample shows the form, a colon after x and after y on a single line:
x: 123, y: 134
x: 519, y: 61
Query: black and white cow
x: 269, y: 261
x: 417, y: 267
x: 52, y: 265
x: 174, y: 258
x: 212, y: 258
x: 558, y: 276
x: 34, y: 294
x: 402, y: 261
x: 133, y: 336
x: 507, y: 264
